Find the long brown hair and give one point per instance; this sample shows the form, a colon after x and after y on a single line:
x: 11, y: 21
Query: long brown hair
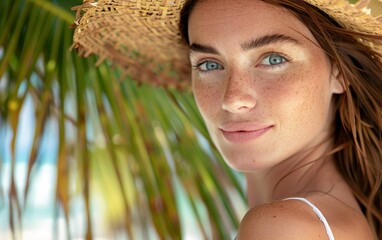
x: 358, y: 123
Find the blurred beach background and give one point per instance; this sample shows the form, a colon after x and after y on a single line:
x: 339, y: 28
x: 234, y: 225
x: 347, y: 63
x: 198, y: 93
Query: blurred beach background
x: 87, y: 153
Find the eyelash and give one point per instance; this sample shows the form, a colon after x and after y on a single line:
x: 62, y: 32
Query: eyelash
x: 285, y: 60
x: 198, y: 66
x: 272, y: 66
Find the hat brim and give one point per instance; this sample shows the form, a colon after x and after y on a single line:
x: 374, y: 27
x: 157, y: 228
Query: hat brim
x: 142, y: 37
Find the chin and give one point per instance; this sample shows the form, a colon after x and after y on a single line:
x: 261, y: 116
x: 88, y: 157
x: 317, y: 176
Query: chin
x: 246, y: 165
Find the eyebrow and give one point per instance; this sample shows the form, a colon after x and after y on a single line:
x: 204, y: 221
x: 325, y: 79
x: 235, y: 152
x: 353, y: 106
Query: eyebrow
x: 266, y: 40
x: 195, y: 47
x: 254, y: 43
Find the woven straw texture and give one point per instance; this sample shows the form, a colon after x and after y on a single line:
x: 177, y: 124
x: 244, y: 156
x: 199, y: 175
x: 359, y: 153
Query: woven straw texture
x: 142, y: 37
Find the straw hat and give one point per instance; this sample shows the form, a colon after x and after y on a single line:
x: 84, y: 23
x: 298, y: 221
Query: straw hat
x: 142, y: 36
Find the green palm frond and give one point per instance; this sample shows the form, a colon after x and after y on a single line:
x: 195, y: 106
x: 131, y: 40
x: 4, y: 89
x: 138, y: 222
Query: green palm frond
x: 142, y: 152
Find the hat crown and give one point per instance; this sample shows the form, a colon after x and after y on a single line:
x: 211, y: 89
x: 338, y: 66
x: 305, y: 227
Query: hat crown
x: 142, y: 36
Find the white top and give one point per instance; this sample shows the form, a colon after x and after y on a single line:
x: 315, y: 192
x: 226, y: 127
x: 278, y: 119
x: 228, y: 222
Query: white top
x: 319, y: 214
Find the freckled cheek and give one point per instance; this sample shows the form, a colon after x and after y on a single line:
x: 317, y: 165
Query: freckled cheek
x: 291, y: 94
x: 298, y: 101
x: 207, y: 99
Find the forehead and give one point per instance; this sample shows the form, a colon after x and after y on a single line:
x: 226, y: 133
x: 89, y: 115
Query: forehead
x: 224, y: 18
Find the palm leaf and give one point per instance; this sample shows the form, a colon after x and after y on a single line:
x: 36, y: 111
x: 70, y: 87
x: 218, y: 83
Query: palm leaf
x: 143, y: 152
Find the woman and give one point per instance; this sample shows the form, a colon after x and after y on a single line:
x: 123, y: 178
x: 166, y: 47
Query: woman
x: 269, y: 94
x: 292, y: 98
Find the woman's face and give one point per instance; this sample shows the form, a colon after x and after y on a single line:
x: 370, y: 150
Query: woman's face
x: 262, y: 83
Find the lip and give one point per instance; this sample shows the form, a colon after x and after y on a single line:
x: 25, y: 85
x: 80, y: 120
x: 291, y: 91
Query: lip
x: 243, y: 132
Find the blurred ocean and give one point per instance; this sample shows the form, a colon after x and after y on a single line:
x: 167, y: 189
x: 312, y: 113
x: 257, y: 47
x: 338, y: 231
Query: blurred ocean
x: 40, y: 219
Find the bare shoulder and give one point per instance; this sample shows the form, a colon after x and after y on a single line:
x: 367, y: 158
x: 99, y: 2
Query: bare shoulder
x: 280, y: 220
x: 297, y: 220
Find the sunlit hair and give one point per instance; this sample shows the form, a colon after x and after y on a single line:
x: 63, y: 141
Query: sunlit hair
x: 358, y: 123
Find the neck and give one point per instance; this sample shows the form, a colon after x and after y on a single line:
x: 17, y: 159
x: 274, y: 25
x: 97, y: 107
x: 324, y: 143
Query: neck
x: 298, y: 176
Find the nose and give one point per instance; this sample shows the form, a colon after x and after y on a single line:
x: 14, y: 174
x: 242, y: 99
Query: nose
x: 239, y: 93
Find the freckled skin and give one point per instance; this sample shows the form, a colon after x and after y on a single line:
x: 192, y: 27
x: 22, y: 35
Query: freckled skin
x: 296, y: 98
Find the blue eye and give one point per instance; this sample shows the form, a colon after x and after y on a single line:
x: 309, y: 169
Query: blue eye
x: 209, y: 66
x: 273, y: 59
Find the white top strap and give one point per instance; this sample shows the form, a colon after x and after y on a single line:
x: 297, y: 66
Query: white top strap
x: 319, y: 214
